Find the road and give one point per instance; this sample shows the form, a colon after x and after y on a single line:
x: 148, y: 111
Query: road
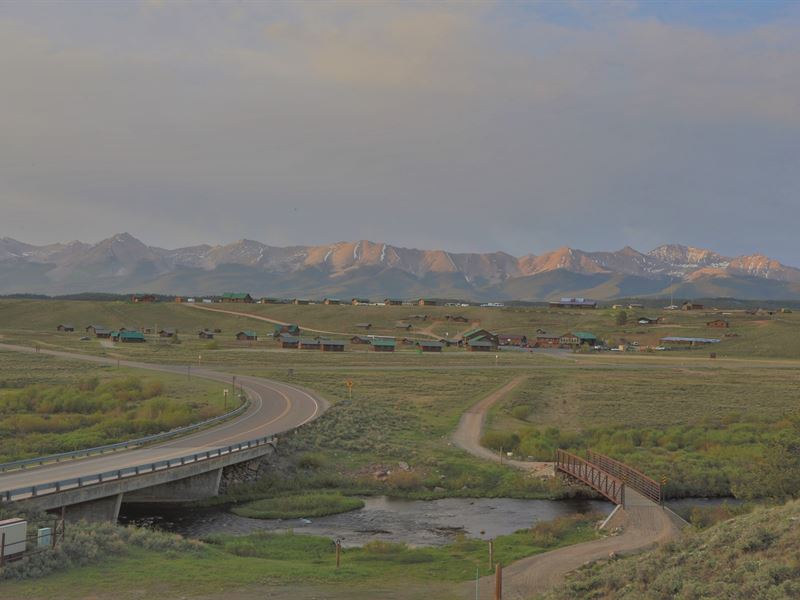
x: 274, y: 408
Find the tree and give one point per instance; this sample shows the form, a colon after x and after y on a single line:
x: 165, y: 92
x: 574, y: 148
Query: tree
x: 622, y: 318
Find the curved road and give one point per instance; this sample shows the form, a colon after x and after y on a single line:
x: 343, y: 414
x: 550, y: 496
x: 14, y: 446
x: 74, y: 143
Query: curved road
x: 274, y: 408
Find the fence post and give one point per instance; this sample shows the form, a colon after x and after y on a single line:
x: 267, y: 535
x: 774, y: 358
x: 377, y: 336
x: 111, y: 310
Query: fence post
x: 498, y: 582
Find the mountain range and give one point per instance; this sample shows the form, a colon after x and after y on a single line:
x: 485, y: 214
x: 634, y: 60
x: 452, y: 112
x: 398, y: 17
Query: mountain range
x: 122, y: 264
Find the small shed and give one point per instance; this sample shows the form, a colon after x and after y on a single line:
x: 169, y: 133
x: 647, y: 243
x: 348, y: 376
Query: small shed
x: 426, y: 302
x: 363, y: 325
x: 290, y: 328
x: 456, y: 318
x: 248, y: 335
x: 237, y: 298
x: 167, y: 332
x: 332, y: 301
x: 393, y: 302
x: 360, y: 339
x: 358, y: 301
x: 67, y: 327
x: 139, y: 298
x: 205, y: 334
x: 691, y: 306
x: 308, y: 344
x: 383, y: 344
x: 406, y: 326
x: 301, y: 301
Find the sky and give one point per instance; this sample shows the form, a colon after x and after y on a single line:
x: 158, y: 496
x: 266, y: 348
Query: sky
x: 468, y: 126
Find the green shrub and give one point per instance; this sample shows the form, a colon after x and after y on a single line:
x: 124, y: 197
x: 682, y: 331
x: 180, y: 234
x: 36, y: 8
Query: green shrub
x: 302, y: 505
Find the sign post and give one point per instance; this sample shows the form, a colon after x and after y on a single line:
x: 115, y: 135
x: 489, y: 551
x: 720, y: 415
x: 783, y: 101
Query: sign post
x: 349, y: 389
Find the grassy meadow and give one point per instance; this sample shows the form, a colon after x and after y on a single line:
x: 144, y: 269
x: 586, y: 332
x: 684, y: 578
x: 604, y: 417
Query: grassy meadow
x: 50, y: 404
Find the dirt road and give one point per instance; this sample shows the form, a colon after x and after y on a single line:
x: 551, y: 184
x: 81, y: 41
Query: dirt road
x: 467, y: 435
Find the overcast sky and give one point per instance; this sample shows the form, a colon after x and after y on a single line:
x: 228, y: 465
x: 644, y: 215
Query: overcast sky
x: 468, y: 127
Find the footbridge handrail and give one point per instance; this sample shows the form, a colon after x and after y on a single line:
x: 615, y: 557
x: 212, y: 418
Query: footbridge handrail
x: 157, y: 437
x: 117, y: 474
x: 643, y: 484
x: 592, y: 475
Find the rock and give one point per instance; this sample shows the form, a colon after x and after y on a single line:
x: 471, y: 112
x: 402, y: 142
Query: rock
x: 404, y: 466
x: 439, y: 490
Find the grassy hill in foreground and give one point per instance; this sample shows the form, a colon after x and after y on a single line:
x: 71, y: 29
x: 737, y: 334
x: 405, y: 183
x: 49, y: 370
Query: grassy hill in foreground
x: 752, y: 556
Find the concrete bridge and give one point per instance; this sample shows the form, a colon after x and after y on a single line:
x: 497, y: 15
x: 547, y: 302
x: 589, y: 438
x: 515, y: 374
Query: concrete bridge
x: 187, y: 468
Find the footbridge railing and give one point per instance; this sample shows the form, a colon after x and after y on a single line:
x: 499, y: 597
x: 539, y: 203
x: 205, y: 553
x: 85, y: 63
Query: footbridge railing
x: 592, y: 475
x: 637, y: 480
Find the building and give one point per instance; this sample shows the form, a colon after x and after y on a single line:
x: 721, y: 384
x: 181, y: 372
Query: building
x: 547, y: 340
x: 360, y: 339
x: 579, y: 338
x: 236, y: 298
x: 418, y: 317
x: 289, y: 341
x: 406, y: 326
x: 718, y: 324
x: 65, y: 327
x: 480, y: 333
x: 426, y: 302
x: 393, y: 302
x: 582, y: 303
x: 512, y: 339
x: 456, y: 318
x: 332, y: 345
x: 332, y: 301
x: 205, y: 334
x: 635, y: 305
x: 481, y: 345
x: 383, y: 344
x: 127, y: 336
x: 428, y: 346
x: 248, y: 335
x: 308, y: 344
x: 363, y: 325
x: 269, y: 301
x: 688, y: 341
x: 359, y: 301
x: 290, y: 328
x: 301, y: 301
x: 139, y: 298
x: 691, y: 306
x: 649, y: 321
x: 167, y: 332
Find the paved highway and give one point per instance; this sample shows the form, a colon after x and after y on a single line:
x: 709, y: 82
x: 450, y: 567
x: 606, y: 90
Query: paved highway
x: 274, y: 408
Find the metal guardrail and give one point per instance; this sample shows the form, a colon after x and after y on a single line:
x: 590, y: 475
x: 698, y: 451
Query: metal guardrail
x: 116, y: 475
x: 592, y: 475
x: 166, y: 435
x: 643, y: 484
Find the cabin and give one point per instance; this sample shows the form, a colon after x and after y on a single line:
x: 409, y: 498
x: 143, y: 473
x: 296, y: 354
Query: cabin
x: 579, y: 338
x: 406, y: 326
x: 332, y: 301
x: 579, y: 303
x: 691, y: 306
x: 168, y: 332
x: 480, y: 333
x: 512, y: 339
x: 718, y: 324
x: 205, y: 334
x: 301, y: 302
x: 426, y: 302
x: 383, y: 344
x: 236, y: 298
x: 102, y: 333
x: 93, y: 328
x: 332, y: 345
x: 308, y: 344
x: 289, y: 341
x: 140, y: 298
x: 363, y: 325
x: 456, y: 318
x: 547, y: 340
x: 360, y: 339
x: 481, y: 345
x: 393, y: 302
x: 65, y: 327
x: 248, y: 335
x: 649, y: 320
x: 687, y: 341
x: 269, y: 301
x: 290, y: 328
x: 359, y: 301
x: 429, y: 346
x: 127, y: 336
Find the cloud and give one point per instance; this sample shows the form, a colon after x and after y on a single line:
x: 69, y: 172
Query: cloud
x: 455, y: 125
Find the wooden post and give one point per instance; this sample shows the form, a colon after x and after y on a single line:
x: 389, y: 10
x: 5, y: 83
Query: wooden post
x: 338, y: 552
x: 498, y: 582
x: 491, y: 553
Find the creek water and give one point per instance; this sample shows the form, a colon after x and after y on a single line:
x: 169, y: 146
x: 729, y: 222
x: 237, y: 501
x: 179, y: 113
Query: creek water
x: 413, y: 522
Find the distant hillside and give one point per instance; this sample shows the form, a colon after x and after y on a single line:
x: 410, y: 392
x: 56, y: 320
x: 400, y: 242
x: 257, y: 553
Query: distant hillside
x: 123, y: 264
x: 751, y: 556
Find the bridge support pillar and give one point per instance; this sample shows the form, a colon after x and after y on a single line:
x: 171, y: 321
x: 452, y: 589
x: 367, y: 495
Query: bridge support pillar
x: 95, y: 511
x: 196, y: 487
